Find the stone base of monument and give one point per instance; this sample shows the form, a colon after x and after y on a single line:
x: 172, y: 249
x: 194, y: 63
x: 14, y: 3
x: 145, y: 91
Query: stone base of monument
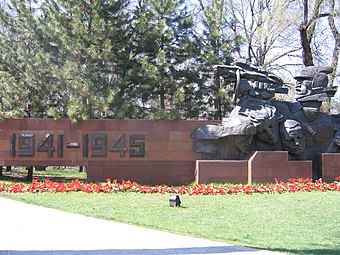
x: 330, y: 165
x: 265, y: 166
x: 143, y: 172
x: 262, y: 167
x: 221, y: 171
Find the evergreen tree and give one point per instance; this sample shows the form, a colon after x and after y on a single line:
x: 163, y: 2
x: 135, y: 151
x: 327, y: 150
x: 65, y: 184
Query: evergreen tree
x: 62, y: 58
x: 22, y: 65
x: 80, y: 58
x: 217, y: 43
x: 86, y: 41
x: 166, y: 78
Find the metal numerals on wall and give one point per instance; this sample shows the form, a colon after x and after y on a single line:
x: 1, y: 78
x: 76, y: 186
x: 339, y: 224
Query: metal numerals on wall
x: 101, y: 145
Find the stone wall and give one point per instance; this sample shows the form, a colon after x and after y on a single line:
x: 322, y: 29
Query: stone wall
x: 150, y: 152
x: 138, y: 150
x: 264, y: 165
x: 221, y: 171
x: 261, y: 167
x: 330, y: 165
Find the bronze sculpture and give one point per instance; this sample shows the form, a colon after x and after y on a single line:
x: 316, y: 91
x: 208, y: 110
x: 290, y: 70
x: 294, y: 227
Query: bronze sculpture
x: 260, y: 123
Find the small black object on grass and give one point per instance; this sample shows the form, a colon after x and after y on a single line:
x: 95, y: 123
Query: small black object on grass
x: 174, y: 200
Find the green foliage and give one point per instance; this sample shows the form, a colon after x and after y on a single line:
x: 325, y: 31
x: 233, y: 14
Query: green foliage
x: 87, y: 47
x: 22, y: 66
x: 160, y: 114
x: 163, y: 33
x: 77, y: 59
x: 216, y: 46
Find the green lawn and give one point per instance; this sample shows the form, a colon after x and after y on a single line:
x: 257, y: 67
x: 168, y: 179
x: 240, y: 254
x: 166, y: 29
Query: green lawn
x: 298, y: 223
x: 54, y: 173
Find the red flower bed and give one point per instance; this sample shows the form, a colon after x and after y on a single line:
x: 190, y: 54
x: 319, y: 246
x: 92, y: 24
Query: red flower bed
x: 111, y: 186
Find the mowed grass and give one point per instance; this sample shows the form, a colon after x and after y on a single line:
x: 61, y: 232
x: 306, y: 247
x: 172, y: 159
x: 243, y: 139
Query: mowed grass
x: 54, y: 173
x: 297, y: 223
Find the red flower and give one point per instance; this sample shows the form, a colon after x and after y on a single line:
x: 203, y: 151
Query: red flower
x: 293, y: 185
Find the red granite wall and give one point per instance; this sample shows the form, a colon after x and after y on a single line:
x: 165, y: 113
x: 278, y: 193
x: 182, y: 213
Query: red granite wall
x: 221, y: 171
x: 145, y: 172
x: 264, y: 166
x: 330, y: 166
x: 138, y: 150
x: 148, y: 152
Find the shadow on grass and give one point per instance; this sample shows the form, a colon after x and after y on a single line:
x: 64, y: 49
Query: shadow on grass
x: 189, y: 250
x: 320, y: 251
x: 13, y: 176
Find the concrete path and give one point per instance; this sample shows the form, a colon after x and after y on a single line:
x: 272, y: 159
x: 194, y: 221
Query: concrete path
x: 29, y: 229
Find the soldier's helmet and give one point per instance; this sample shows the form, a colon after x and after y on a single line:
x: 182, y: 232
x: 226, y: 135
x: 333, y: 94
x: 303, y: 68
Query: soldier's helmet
x: 306, y: 73
x: 318, y: 75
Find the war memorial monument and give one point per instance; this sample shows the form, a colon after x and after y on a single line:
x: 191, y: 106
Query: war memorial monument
x: 261, y: 139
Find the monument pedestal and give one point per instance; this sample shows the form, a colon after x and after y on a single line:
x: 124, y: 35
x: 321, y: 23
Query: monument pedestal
x: 330, y: 166
x: 265, y: 166
x: 262, y: 167
x: 221, y: 171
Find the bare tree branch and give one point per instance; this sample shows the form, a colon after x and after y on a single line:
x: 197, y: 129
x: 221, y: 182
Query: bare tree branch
x: 336, y: 35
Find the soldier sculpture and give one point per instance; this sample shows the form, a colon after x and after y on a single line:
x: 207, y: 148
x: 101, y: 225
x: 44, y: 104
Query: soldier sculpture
x: 259, y: 123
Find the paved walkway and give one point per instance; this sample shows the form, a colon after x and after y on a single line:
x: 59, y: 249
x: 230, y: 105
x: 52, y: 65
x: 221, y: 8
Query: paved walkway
x: 29, y: 229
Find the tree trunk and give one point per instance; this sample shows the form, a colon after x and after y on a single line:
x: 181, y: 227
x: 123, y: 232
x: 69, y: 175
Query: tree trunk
x: 307, y: 29
x: 217, y: 103
x: 307, y: 55
x: 82, y: 169
x: 336, y: 35
x: 30, y: 173
x: 162, y: 99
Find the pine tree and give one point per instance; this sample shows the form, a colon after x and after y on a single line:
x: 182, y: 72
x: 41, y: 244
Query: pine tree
x: 216, y: 43
x: 86, y: 42
x: 80, y: 58
x: 163, y: 37
x: 22, y: 65
x: 62, y: 58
